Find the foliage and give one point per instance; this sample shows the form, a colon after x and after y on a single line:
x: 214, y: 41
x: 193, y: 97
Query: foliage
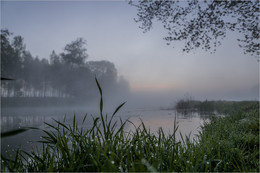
x: 221, y: 106
x: 75, y: 53
x: 9, y: 65
x: 67, y: 74
x: 233, y: 140
x: 202, y: 24
x: 225, y: 144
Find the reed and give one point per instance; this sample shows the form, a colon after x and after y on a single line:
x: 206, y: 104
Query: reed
x: 229, y: 143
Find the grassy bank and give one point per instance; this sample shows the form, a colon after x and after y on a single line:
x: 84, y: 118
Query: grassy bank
x: 227, y: 144
x: 221, y: 107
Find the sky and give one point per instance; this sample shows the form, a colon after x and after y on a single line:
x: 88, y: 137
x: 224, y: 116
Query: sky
x: 143, y: 59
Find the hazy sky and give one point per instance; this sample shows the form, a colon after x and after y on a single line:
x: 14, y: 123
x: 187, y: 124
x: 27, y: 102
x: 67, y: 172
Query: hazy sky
x: 143, y: 59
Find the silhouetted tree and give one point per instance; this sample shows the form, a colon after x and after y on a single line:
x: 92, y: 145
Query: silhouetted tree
x: 105, y: 71
x: 66, y: 75
x: 75, y: 53
x: 202, y: 24
x: 54, y: 58
x: 10, y: 64
x: 28, y: 73
x: 9, y: 60
x: 18, y: 45
x: 57, y: 71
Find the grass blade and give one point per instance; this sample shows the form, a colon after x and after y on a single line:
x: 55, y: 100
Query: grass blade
x: 100, y: 90
x: 16, y: 131
x: 84, y: 118
x: 101, y: 99
x: 119, y: 107
x: 63, y: 125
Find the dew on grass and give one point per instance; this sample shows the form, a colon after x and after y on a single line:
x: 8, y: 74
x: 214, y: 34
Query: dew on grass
x: 120, y: 168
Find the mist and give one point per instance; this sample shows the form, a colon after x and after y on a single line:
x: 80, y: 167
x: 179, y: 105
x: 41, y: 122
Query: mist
x: 129, y: 85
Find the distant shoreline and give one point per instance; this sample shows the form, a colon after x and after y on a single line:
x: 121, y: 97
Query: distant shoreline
x: 41, y: 101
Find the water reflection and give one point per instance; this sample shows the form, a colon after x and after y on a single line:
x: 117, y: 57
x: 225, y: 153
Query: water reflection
x: 13, y: 122
x: 12, y: 118
x: 188, y: 123
x: 189, y: 113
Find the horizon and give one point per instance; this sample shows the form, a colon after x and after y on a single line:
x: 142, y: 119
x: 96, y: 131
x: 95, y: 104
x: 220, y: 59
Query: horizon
x: 143, y: 59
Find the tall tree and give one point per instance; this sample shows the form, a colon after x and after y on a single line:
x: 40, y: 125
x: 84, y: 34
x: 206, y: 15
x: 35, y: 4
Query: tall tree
x: 11, y: 62
x: 18, y: 45
x: 75, y: 53
x: 54, y: 58
x: 7, y: 54
x: 57, y: 71
x: 202, y: 24
x: 66, y: 75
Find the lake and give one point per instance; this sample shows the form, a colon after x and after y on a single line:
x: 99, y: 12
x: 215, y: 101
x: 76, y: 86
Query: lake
x: 16, y: 117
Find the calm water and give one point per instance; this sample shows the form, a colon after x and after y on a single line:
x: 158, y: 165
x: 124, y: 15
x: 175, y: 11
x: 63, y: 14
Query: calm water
x: 13, y: 118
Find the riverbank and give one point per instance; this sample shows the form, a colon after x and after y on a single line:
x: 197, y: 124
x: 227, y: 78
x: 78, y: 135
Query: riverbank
x: 229, y: 143
x: 219, y: 107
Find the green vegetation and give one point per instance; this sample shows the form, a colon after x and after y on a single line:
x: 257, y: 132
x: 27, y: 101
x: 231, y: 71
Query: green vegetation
x: 221, y: 107
x: 228, y: 143
x: 233, y: 141
x: 202, y: 24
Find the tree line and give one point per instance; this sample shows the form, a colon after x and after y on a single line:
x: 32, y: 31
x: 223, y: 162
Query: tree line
x: 67, y: 74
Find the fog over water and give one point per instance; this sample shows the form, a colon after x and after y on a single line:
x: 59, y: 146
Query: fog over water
x: 143, y: 60
x: 153, y: 119
x: 54, y: 51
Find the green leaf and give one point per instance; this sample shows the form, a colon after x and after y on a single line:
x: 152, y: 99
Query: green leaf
x: 101, y: 99
x: 51, y: 126
x: 51, y: 164
x: 84, y: 118
x: 13, y: 132
x: 117, y: 109
x: 54, y: 140
x: 100, y: 90
x: 63, y: 125
x: 101, y: 105
x: 16, y: 131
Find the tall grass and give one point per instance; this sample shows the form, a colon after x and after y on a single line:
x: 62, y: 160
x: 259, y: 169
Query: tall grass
x: 228, y: 143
